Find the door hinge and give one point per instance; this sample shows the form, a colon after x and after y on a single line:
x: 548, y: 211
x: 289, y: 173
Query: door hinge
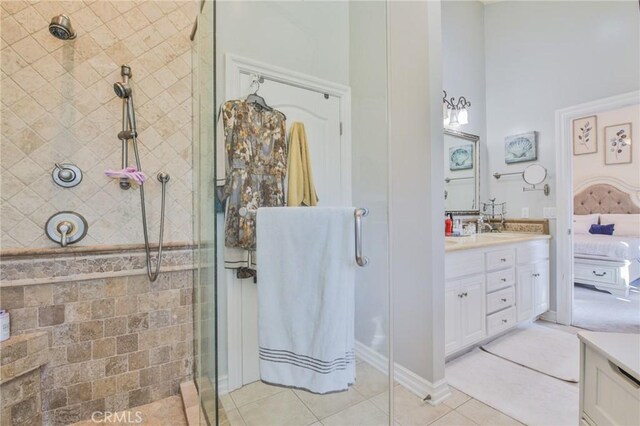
x: 341, y: 128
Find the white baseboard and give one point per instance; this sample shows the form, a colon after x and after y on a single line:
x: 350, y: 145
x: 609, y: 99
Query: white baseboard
x: 550, y: 316
x: 436, y: 392
x: 223, y: 384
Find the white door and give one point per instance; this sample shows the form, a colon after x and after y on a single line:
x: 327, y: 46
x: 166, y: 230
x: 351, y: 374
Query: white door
x: 451, y: 320
x: 524, y: 292
x: 473, y: 311
x: 321, y: 117
x: 541, y: 287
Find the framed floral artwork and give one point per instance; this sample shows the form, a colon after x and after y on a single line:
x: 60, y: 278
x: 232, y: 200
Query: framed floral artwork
x: 617, y: 143
x: 585, y: 135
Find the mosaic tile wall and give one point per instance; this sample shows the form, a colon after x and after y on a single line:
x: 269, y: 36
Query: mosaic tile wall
x: 58, y: 105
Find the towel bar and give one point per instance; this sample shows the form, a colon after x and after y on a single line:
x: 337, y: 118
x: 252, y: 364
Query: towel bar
x: 359, y: 214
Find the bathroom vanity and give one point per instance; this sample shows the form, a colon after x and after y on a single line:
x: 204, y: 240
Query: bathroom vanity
x: 493, y: 282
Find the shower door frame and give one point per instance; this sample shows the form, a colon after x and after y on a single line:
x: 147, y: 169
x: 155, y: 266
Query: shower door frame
x: 235, y: 66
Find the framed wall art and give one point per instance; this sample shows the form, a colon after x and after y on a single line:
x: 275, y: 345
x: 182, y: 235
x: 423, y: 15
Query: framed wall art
x: 461, y: 157
x: 585, y: 135
x: 521, y: 148
x: 617, y: 144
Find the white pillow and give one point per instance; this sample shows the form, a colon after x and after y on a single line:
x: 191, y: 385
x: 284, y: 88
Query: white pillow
x: 625, y: 225
x: 582, y: 222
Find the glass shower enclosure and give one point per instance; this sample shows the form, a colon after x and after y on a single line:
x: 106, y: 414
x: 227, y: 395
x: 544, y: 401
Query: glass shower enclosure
x: 323, y: 64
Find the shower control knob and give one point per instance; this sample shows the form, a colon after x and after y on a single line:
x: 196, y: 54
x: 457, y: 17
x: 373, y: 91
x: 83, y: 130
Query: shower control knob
x: 66, y: 175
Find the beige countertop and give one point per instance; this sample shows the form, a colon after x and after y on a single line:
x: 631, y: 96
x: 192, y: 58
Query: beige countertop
x: 489, y: 239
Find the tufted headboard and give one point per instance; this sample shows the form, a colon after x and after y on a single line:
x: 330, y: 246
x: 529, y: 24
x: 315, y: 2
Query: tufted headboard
x: 605, y: 199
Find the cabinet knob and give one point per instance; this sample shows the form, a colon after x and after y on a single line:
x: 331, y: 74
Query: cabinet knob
x: 503, y: 259
x: 504, y: 280
x: 504, y: 321
x: 503, y: 299
x: 461, y: 295
x: 465, y: 294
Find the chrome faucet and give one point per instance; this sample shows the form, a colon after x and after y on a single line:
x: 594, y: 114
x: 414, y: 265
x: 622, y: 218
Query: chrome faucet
x: 482, y: 225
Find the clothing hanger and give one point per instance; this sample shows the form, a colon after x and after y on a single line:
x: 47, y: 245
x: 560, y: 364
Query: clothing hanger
x: 256, y: 99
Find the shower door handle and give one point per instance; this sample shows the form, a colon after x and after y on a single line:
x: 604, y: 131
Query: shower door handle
x: 359, y: 214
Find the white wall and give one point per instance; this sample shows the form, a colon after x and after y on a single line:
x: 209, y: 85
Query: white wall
x: 592, y: 165
x: 463, y: 69
x: 543, y: 56
x: 308, y: 37
x: 416, y: 201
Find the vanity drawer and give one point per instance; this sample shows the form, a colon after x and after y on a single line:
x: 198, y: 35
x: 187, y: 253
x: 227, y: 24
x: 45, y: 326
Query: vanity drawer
x: 463, y: 263
x: 532, y: 252
x: 601, y: 274
x: 500, y: 279
x: 501, y: 299
x: 501, y: 321
x: 500, y: 259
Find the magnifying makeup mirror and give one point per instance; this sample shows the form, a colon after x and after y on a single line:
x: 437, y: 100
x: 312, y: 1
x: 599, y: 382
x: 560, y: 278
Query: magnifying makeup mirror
x: 534, y: 175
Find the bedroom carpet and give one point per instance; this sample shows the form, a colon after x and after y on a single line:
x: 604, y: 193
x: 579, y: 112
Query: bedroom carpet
x: 526, y: 395
x: 600, y: 311
x: 552, y: 352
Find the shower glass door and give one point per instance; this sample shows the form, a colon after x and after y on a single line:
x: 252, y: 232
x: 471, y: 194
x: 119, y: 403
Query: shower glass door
x: 323, y: 64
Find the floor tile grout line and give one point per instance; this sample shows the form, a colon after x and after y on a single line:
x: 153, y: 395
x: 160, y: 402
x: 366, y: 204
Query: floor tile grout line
x: 467, y: 417
x: 306, y: 406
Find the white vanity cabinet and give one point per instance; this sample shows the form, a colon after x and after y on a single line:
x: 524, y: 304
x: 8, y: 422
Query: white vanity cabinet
x: 464, y: 312
x: 532, y: 280
x: 491, y: 288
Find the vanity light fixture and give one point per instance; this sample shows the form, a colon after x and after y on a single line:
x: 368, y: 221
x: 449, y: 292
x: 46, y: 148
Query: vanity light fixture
x: 455, y: 112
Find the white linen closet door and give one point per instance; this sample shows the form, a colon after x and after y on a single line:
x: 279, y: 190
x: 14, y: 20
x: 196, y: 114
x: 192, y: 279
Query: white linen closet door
x: 321, y: 118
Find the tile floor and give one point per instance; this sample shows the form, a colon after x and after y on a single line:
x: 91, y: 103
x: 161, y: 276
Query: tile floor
x: 366, y: 403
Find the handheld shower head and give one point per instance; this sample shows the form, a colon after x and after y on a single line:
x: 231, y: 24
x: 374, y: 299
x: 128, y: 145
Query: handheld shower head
x: 60, y: 27
x: 122, y: 90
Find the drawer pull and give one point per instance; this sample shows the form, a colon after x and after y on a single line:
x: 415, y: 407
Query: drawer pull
x: 461, y: 295
x: 599, y: 275
x: 503, y: 299
x: 504, y: 321
x: 504, y: 280
x: 502, y: 259
x: 635, y: 382
x: 465, y: 294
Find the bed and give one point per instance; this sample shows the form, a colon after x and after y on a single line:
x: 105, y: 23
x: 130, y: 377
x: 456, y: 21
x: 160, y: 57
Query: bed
x: 608, y: 262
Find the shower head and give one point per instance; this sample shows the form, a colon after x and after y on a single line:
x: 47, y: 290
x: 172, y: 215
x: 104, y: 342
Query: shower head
x: 60, y: 27
x: 122, y: 90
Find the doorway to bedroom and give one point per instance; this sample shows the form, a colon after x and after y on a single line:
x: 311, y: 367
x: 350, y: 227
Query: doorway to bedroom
x: 606, y: 220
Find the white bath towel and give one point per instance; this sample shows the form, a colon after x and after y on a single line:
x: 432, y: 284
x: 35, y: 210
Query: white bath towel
x: 306, y: 273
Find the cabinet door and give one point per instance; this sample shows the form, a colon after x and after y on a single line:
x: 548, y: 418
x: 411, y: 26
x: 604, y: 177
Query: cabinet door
x: 452, y: 320
x: 541, y: 287
x: 524, y: 292
x: 473, y: 313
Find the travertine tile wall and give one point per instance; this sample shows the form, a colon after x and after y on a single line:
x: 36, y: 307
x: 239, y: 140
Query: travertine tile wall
x: 58, y: 105
x: 114, y: 343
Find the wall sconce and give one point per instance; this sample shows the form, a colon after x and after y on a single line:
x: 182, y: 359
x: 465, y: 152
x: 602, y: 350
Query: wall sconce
x: 455, y: 112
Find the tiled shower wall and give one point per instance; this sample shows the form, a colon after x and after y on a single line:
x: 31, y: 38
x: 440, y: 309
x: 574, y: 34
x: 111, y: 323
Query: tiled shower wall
x: 58, y: 105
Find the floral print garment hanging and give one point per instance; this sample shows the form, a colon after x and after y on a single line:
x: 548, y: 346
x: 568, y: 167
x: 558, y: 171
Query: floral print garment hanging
x: 256, y: 151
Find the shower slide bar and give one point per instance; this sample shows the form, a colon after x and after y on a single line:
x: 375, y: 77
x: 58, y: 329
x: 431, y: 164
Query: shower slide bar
x: 358, y: 214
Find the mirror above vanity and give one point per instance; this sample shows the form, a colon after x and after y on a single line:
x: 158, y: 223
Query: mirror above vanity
x: 461, y: 172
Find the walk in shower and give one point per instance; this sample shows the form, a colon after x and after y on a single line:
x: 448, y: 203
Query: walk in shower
x: 322, y: 65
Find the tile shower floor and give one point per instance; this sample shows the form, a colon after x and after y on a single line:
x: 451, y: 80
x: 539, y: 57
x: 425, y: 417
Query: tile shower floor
x: 165, y: 412
x: 366, y: 403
